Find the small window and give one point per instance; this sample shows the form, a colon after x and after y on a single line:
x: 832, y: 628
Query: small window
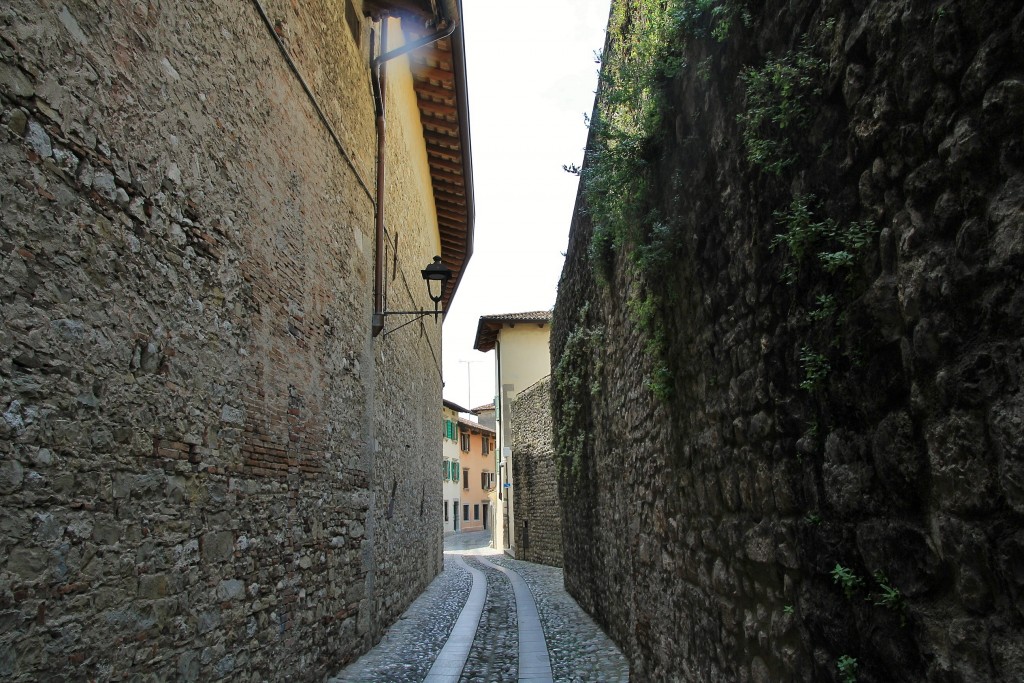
x: 446, y: 511
x: 465, y: 513
x: 476, y: 512
x: 485, y: 444
x: 464, y: 438
x: 465, y: 479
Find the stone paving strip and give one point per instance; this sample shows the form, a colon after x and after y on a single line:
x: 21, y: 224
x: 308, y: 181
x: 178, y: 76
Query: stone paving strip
x: 410, y: 647
x: 448, y: 666
x: 534, y: 662
x: 494, y: 657
x: 580, y: 652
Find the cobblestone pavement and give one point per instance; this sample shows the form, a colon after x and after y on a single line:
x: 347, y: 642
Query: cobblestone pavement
x: 409, y: 647
x: 579, y: 651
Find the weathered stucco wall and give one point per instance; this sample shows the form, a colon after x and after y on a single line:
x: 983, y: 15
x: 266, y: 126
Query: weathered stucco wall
x: 208, y: 468
x: 538, y: 521
x: 857, y: 428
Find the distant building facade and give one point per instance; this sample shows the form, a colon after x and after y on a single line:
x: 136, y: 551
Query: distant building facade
x: 451, y: 467
x: 522, y: 357
x: 476, y: 453
x: 485, y: 415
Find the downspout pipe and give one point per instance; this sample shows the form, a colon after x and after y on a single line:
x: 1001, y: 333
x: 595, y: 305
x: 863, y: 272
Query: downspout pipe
x: 378, y: 73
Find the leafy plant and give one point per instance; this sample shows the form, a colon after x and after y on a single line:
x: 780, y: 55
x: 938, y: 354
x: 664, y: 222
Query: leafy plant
x: 826, y: 308
x: 787, y: 609
x: 778, y: 104
x: 890, y: 597
x: 700, y: 18
x: 644, y: 312
x: 847, y: 579
x: 847, y: 666
x: 816, y: 369
x: 834, y: 245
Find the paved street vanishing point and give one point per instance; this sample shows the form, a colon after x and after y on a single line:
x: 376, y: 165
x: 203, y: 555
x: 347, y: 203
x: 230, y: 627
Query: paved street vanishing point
x: 489, y: 618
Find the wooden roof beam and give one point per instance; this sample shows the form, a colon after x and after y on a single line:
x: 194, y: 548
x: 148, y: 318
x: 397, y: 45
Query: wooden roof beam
x: 443, y: 193
x: 440, y: 123
x: 450, y: 177
x: 432, y: 73
x: 445, y: 165
x: 435, y: 90
x: 448, y: 205
x: 445, y: 152
x: 437, y: 108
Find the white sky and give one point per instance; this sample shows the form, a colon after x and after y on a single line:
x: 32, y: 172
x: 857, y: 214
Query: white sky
x: 531, y: 78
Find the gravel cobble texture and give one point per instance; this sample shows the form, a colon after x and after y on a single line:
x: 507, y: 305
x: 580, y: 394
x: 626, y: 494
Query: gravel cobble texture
x: 407, y: 650
x: 580, y: 652
x: 495, y: 654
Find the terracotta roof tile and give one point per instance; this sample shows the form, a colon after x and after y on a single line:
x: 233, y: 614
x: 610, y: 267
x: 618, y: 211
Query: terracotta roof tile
x: 489, y: 326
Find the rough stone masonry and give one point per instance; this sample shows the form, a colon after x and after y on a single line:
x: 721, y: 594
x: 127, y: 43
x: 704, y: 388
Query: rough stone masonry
x: 538, y: 525
x: 202, y: 469
x: 828, y: 484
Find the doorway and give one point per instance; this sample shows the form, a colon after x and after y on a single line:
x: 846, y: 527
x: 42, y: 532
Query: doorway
x: 486, y: 508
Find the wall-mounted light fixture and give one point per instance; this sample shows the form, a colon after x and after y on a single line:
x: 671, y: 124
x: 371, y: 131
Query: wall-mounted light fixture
x: 435, y: 272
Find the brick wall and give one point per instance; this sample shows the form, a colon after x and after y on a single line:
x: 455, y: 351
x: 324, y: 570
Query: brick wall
x: 208, y: 468
x: 538, y: 518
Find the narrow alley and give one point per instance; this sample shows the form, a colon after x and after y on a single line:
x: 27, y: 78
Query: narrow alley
x: 490, y: 618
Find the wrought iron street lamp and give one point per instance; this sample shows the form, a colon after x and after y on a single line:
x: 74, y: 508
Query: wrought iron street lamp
x: 436, y: 276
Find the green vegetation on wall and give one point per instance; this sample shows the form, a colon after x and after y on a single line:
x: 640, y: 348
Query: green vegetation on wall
x: 645, y: 48
x: 779, y: 94
x: 575, y: 375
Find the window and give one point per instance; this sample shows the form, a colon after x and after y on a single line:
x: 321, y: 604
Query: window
x: 449, y: 430
x: 465, y: 513
x: 485, y: 444
x: 465, y: 479
x: 476, y: 512
x: 446, y: 511
x: 464, y: 437
x: 487, y: 480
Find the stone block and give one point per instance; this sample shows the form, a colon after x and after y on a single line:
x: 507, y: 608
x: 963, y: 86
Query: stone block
x: 28, y: 562
x: 217, y: 546
x: 960, y: 460
x: 153, y: 586
x: 230, y: 589
x: 12, y: 476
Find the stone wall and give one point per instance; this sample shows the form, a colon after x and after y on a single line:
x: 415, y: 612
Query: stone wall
x: 209, y: 470
x: 833, y: 472
x: 538, y: 519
